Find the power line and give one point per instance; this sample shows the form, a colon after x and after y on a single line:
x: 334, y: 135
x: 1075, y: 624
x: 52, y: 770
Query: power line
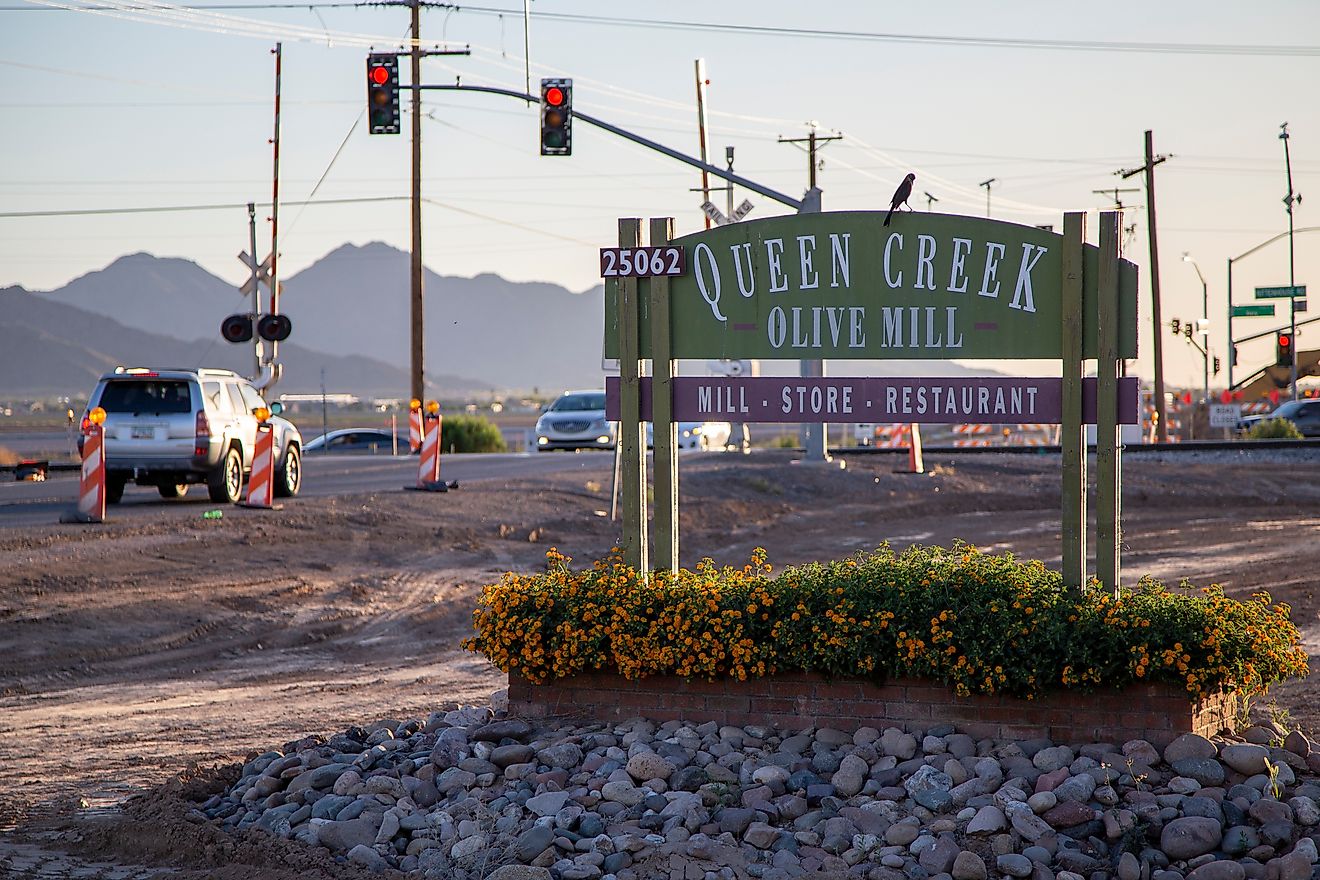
x: 1031, y: 43
x: 198, y: 6
x: 163, y: 209
x: 744, y: 28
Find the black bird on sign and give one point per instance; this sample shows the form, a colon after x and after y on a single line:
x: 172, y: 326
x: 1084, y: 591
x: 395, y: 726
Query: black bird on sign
x: 901, y: 195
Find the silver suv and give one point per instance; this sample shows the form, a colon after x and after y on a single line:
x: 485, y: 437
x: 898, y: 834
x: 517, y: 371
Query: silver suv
x: 174, y: 428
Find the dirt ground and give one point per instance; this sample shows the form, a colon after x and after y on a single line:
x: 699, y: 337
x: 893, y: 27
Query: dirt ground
x: 136, y: 656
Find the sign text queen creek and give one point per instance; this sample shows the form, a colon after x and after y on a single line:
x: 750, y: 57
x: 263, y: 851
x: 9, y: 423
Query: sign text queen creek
x: 842, y: 285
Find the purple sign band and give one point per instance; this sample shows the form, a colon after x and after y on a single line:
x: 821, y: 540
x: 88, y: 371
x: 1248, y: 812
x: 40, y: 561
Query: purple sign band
x: 834, y: 399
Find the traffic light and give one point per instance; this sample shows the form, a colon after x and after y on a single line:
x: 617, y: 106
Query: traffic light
x: 1283, y: 349
x: 556, y: 117
x: 1215, y: 366
x: 1177, y: 327
x: 383, y: 94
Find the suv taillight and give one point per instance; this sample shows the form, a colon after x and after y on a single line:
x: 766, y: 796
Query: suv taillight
x: 202, y: 442
x: 86, y: 426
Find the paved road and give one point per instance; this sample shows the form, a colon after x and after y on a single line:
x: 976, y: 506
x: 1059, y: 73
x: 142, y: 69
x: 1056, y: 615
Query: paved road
x: 30, y: 504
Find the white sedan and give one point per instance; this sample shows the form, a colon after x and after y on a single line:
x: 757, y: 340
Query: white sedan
x: 698, y: 435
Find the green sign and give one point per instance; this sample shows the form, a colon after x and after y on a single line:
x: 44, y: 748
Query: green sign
x: 845, y: 286
x: 1280, y: 292
x: 1260, y: 311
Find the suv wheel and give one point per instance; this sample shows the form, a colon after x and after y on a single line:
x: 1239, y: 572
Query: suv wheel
x: 172, y: 490
x: 225, y: 483
x: 114, y: 488
x: 288, y: 476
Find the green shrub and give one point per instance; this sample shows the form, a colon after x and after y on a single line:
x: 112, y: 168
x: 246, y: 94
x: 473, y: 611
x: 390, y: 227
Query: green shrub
x: 470, y: 434
x: 979, y: 623
x: 1274, y: 429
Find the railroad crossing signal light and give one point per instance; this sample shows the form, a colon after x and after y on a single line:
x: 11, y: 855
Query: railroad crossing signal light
x: 383, y: 94
x: 236, y: 328
x: 1177, y: 327
x: 1283, y: 350
x: 274, y: 328
x: 1187, y: 330
x: 556, y: 117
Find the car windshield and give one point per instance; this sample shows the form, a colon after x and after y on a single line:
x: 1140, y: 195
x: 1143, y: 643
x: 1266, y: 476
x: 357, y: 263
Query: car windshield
x: 140, y: 396
x: 578, y: 403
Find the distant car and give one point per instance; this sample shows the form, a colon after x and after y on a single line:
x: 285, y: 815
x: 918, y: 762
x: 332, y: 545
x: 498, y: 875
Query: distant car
x: 173, y: 428
x: 362, y: 441
x: 576, y: 420
x: 698, y: 435
x: 1305, y: 414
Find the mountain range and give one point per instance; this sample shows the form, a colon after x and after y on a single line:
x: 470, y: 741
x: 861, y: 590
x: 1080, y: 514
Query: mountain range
x: 350, y: 313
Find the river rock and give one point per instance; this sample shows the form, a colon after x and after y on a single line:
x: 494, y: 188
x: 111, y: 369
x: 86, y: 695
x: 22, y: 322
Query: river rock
x: 1189, y: 745
x: 1219, y: 870
x: 1245, y: 758
x: 1191, y: 836
x: 968, y: 866
x: 644, y: 766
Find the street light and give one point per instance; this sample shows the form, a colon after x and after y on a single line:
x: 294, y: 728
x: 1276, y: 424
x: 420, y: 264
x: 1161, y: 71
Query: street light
x: 1205, y: 315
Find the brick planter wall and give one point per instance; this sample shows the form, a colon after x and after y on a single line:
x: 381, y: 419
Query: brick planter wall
x: 1155, y: 712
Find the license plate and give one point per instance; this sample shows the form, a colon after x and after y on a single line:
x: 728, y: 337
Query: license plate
x: 145, y: 432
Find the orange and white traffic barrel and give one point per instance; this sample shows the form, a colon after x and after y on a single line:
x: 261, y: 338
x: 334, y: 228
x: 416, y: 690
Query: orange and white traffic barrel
x: 261, y: 483
x: 428, y: 471
x: 91, y: 485
x: 414, y: 426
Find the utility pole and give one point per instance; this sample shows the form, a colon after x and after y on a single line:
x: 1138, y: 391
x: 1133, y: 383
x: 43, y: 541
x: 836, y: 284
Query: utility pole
x: 417, y: 300
x: 814, y: 438
x: 273, y: 361
x: 986, y: 184
x: 930, y: 200
x: 1288, y: 201
x: 418, y: 310
x: 1113, y: 193
x: 1149, y: 168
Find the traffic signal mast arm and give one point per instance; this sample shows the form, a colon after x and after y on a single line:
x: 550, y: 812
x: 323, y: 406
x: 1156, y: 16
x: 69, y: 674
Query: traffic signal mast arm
x: 795, y: 204
x: 1265, y: 333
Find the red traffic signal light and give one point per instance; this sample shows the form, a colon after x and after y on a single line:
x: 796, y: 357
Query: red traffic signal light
x: 556, y: 117
x: 383, y: 94
x: 1283, y: 349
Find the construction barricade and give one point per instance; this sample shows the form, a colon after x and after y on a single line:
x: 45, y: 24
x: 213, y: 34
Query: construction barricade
x: 261, y: 483
x: 428, y: 468
x: 91, y: 483
x: 414, y: 426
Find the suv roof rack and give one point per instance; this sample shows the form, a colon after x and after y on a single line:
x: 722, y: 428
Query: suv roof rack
x: 121, y: 370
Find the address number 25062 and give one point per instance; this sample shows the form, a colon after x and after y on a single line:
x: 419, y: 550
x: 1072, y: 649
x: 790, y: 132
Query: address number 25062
x: 641, y: 262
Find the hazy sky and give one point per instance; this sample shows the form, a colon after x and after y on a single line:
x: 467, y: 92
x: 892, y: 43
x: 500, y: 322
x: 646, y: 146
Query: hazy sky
x: 165, y: 106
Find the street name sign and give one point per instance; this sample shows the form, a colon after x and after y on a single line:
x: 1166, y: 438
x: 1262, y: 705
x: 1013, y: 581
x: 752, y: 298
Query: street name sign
x: 1264, y: 310
x: 1280, y: 292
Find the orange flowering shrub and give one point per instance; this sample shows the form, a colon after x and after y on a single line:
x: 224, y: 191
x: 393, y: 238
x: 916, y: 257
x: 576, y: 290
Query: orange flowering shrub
x: 977, y: 622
